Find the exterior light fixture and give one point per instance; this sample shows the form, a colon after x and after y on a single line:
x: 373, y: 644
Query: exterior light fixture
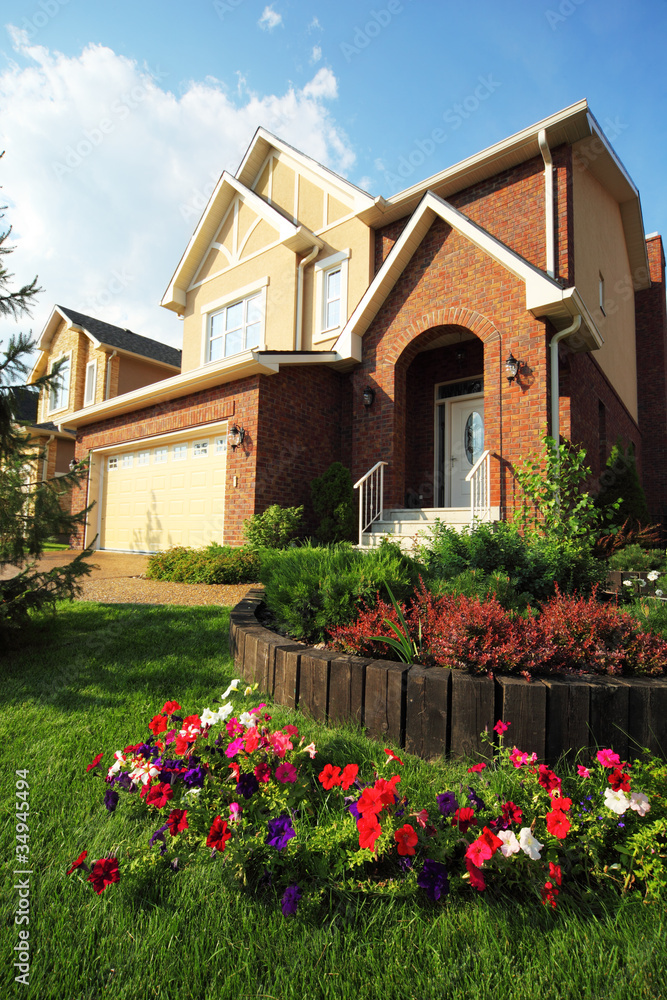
x: 368, y: 396
x: 236, y: 436
x: 461, y: 355
x: 72, y: 465
x: 512, y: 367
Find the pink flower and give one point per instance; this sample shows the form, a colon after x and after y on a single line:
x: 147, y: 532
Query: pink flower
x: 501, y: 727
x: 286, y: 773
x: 519, y: 758
x: 608, y: 758
x: 476, y: 768
x: 281, y: 743
x: 234, y: 747
x: 421, y: 817
x: 310, y: 750
x: 392, y: 756
x: 235, y: 811
x: 582, y: 771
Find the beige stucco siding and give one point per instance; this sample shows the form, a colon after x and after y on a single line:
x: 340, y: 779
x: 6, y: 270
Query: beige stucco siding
x: 311, y: 204
x: 282, y: 193
x: 262, y: 236
x: 262, y: 186
x: 600, y: 249
x: 336, y: 209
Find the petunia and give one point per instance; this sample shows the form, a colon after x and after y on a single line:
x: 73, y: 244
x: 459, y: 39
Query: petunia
x: 512, y: 813
x: 235, y: 811
x: 251, y: 740
x: 501, y: 727
x: 434, y: 879
x: 160, y: 835
x: 616, y: 801
x: 103, y: 873
x: 484, y: 847
x: 262, y: 772
x: 232, y: 687
x: 640, y: 803
x: 463, y: 818
x: 608, y: 758
x: 290, y: 900
x: 281, y: 743
x: 209, y: 718
x: 291, y: 730
x: 236, y: 770
x: 392, y: 756
x: 286, y: 773
x: 510, y: 845
x: 111, y: 799
x: 619, y: 780
x: 218, y: 835
x: 548, y: 779
x: 158, y: 724
x: 447, y: 803
x: 421, y: 817
x: 582, y: 771
x: 387, y: 789
x: 476, y: 877
x: 170, y: 707
x: 280, y: 831
x: 329, y: 776
x: 224, y: 712
x: 194, y: 777
x: 247, y: 785
x: 78, y: 863
x: 349, y: 775
x: 529, y: 844
x: 234, y: 747
x: 177, y: 821
x: 95, y: 762
x: 159, y: 795
x: 549, y: 893
x: 370, y: 802
x: 519, y: 758
x: 369, y: 831
x: 555, y: 873
x: 474, y: 799
x: 558, y: 824
x: 476, y: 768
x: 406, y: 838
x: 310, y: 750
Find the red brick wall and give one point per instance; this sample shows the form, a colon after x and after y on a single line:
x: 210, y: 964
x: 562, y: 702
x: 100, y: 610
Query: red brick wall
x: 651, y: 326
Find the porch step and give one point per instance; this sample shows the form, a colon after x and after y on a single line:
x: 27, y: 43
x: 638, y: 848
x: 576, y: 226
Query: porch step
x: 403, y: 525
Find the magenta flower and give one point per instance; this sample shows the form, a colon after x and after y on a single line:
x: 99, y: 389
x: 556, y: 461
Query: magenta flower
x: 501, y: 727
x: 608, y: 758
x: 234, y: 747
x: 286, y: 773
x: 582, y: 771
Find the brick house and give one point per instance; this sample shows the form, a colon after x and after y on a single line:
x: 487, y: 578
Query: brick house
x: 322, y: 324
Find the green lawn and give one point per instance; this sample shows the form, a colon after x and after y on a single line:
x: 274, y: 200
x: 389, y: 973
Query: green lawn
x: 93, y: 678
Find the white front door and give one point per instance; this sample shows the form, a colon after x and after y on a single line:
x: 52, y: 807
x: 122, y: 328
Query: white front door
x: 465, y: 444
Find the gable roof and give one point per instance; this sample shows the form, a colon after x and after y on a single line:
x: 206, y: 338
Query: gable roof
x: 545, y: 298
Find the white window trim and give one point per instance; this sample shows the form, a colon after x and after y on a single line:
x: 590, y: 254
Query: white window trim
x: 211, y: 308
x: 86, y: 401
x: 198, y: 445
x: 57, y: 409
x: 340, y: 259
x: 162, y: 448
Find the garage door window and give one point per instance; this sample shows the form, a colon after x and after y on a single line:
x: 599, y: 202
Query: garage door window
x: 221, y: 445
x: 143, y: 458
x: 127, y: 461
x: 179, y: 452
x: 200, y: 449
x: 113, y: 462
x: 160, y: 455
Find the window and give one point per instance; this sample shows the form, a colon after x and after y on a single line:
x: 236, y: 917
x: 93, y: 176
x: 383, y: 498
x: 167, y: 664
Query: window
x: 160, y: 455
x: 200, y: 449
x: 113, y: 462
x: 143, y: 457
x: 331, y: 294
x: 179, y: 452
x: 236, y: 328
x: 127, y: 461
x: 59, y: 393
x: 221, y: 445
x: 91, y: 383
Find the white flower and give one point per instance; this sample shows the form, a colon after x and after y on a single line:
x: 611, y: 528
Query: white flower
x: 120, y: 760
x: 225, y: 711
x: 627, y: 583
x: 640, y: 803
x: 616, y: 801
x: 193, y: 792
x: 247, y: 692
x: 658, y: 593
x: 529, y: 844
x: 653, y: 575
x: 310, y: 749
x: 510, y: 844
x: 144, y: 770
x: 208, y: 718
x: 246, y: 719
x: 232, y: 687
x: 642, y: 583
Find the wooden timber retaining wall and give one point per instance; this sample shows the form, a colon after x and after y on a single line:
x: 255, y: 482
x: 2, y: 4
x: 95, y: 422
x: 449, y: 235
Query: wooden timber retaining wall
x: 431, y: 711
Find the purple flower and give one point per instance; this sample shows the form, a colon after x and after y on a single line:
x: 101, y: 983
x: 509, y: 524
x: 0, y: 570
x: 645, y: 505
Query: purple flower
x: 280, y: 831
x: 447, y: 803
x: 247, y: 785
x: 194, y: 778
x: 352, y: 808
x: 159, y: 835
x: 290, y: 900
x: 433, y: 878
x: 474, y: 799
x: 111, y: 800
x: 124, y: 781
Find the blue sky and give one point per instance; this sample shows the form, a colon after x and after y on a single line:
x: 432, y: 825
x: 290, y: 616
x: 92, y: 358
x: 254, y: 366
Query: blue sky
x: 117, y: 118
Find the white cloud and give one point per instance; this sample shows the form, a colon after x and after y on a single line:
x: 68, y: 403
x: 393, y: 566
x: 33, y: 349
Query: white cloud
x: 314, y: 25
x: 106, y: 173
x: 379, y: 164
x: 270, y: 19
x: 366, y: 183
x: 316, y: 54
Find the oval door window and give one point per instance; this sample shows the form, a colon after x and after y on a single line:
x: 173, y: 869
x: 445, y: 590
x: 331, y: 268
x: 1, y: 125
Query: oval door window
x: 473, y: 437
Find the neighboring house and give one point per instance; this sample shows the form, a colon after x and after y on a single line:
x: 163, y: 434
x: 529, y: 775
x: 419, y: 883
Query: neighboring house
x: 322, y: 324
x: 99, y: 361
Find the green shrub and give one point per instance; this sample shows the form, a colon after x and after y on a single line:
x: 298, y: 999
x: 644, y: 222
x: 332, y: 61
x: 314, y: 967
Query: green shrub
x: 620, y: 485
x: 634, y: 557
x: 311, y: 590
x: 333, y: 502
x: 214, y: 564
x: 275, y: 528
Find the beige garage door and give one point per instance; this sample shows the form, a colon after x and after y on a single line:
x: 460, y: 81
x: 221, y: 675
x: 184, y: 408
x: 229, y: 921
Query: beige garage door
x: 172, y: 493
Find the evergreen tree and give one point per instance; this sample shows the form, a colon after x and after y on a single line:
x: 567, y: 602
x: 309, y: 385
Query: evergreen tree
x: 32, y: 510
x: 620, y: 482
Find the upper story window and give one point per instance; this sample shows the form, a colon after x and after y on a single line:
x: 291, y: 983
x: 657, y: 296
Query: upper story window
x: 331, y: 294
x: 59, y: 391
x: 91, y: 383
x: 236, y: 328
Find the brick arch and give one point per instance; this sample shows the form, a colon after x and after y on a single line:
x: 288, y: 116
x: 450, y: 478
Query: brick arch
x: 468, y: 319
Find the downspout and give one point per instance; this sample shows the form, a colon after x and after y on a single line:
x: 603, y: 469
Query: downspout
x: 298, y: 338
x: 548, y: 201
x: 555, y: 387
x: 45, y: 460
x: 107, y: 386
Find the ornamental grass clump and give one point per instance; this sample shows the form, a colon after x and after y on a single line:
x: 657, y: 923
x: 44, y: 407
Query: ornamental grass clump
x: 285, y: 822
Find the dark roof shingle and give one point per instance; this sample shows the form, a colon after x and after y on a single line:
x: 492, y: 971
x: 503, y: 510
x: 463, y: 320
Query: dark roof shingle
x: 124, y: 340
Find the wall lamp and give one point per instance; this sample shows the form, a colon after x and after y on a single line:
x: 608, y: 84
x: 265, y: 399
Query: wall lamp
x: 368, y: 396
x: 512, y: 367
x: 236, y: 436
x: 72, y: 465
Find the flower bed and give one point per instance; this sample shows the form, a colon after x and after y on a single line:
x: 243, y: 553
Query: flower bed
x: 283, y: 819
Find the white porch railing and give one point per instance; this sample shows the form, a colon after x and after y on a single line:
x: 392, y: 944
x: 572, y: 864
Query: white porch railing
x: 371, y: 494
x: 479, y: 478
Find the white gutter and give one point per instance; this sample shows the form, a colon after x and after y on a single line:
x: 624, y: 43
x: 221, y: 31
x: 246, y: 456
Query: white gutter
x: 110, y: 358
x: 45, y: 460
x: 548, y: 201
x: 555, y: 387
x: 298, y: 333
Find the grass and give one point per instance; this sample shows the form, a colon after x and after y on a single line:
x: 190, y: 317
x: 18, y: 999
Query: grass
x: 92, y: 678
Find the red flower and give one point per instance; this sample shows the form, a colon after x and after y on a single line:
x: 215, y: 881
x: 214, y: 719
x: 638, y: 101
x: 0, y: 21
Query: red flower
x: 558, y: 824
x: 549, y: 894
x: 159, y: 795
x: 548, y: 779
x: 619, y: 780
x: 182, y: 745
x: 512, y: 813
x: 463, y: 818
x: 95, y: 762
x: 177, y: 822
x: 484, y: 847
x: 330, y: 776
x: 476, y: 877
x: 218, y: 835
x: 79, y: 861
x: 158, y: 724
x: 370, y: 802
x: 236, y: 771
x: 476, y: 768
x: 369, y: 831
x: 103, y: 873
x: 349, y: 775
x: 392, y: 756
x: 406, y: 838
x: 262, y: 772
x: 251, y: 740
x: 170, y: 707
x: 387, y: 789
x: 560, y: 802
x: 291, y: 730
x: 555, y: 872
